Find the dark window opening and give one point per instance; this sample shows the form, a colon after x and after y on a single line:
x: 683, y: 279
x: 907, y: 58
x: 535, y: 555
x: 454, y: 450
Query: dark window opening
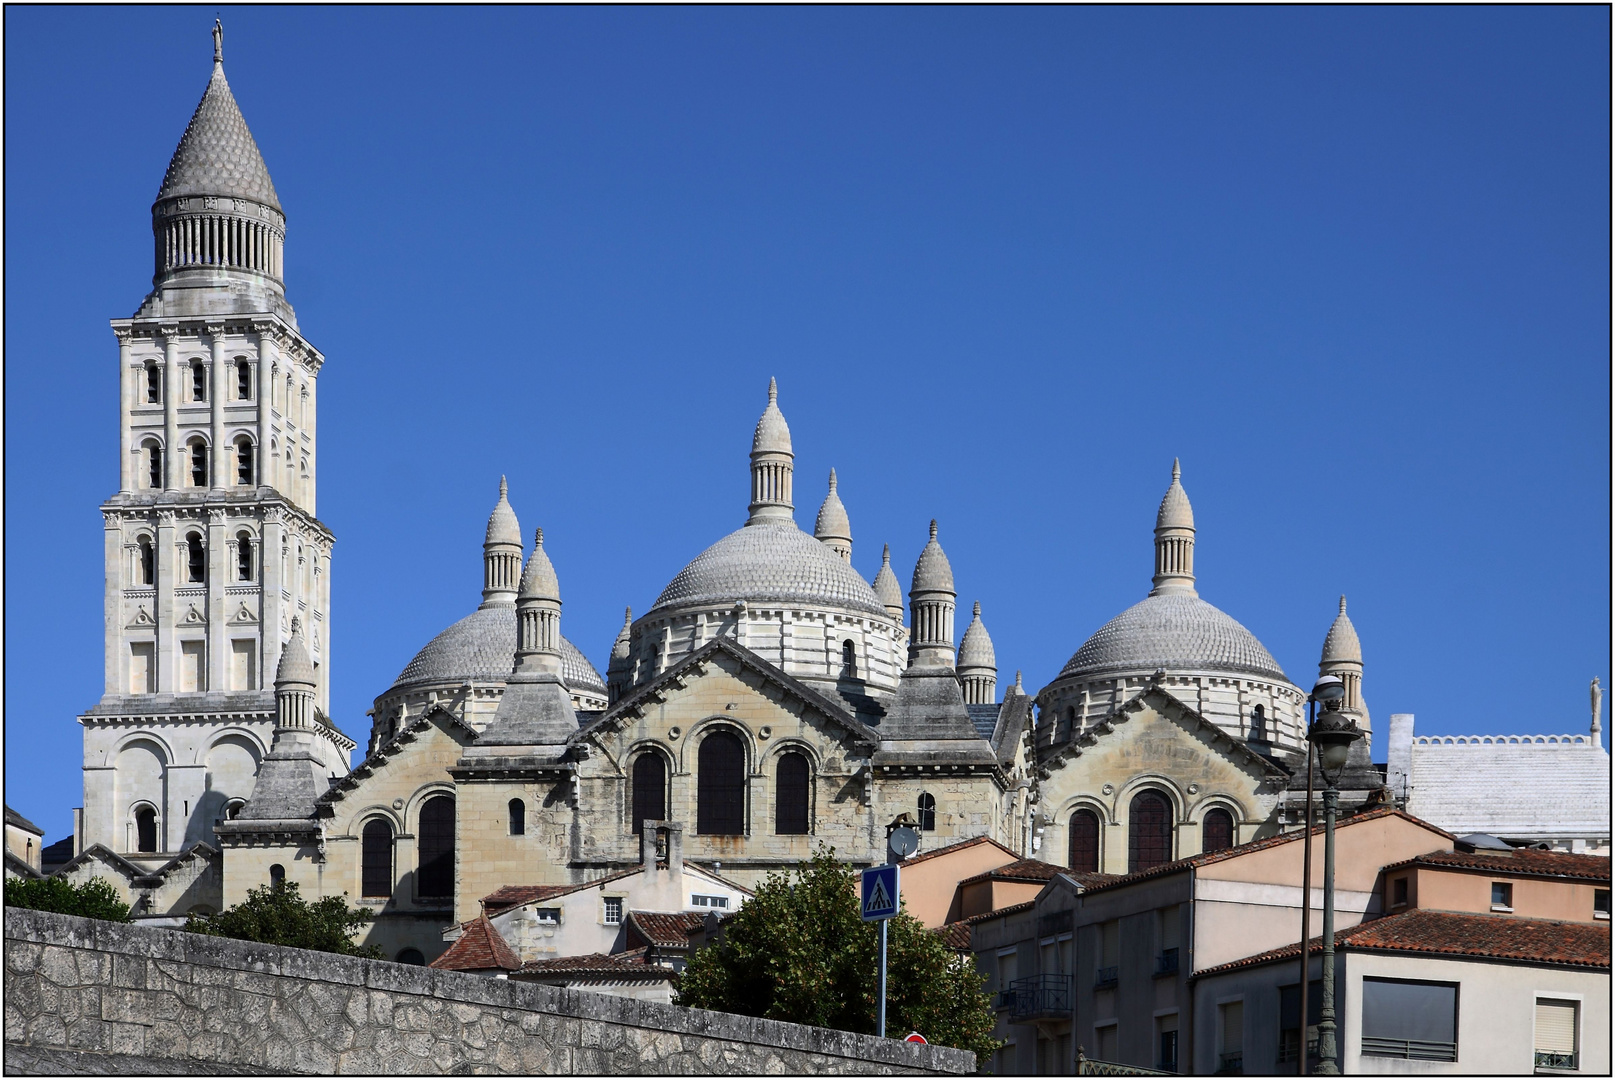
x: 927, y: 809
x: 154, y: 384
x: 243, y: 556
x: 1084, y: 842
x: 1169, y: 1051
x: 1601, y: 902
x: 1070, y: 721
x: 1259, y: 724
x: 436, y: 878
x: 277, y: 874
x: 195, y: 561
x: 199, y: 464
x: 1502, y: 895
x: 1149, y: 832
x: 148, y: 562
x: 1217, y: 831
x: 154, y: 465
x: 377, y: 859
x: 412, y: 956
x: 849, y: 660
x: 243, y: 380
x: 198, y: 382
x: 791, y: 795
x: 518, y: 818
x: 650, y: 790
x: 721, y: 787
x: 145, y: 829
x: 244, y: 461
x: 1399, y: 892
x: 1290, y: 1022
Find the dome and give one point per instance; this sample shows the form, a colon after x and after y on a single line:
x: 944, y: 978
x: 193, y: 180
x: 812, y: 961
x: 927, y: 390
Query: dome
x: 887, y: 590
x: 539, y: 580
x: 482, y: 646
x: 772, y: 434
x: 832, y: 523
x: 1175, y: 512
x: 503, y: 527
x: 771, y: 562
x: 1176, y: 632
x: 1342, y: 645
x: 217, y: 154
x: 295, y: 665
x: 932, y: 573
x: 976, y: 648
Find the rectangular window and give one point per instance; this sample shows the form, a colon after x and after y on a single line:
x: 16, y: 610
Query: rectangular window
x: 1231, y: 1032
x: 1413, y: 1020
x: 613, y: 910
x: 1556, y: 1030
x: 1502, y: 896
x: 550, y: 915
x: 242, y: 668
x: 192, y: 667
x: 700, y: 901
x: 1107, y: 1042
x: 1600, y: 903
x: 1007, y: 965
x: 142, y: 672
x: 1166, y: 1043
x: 1399, y: 892
x: 1290, y: 1021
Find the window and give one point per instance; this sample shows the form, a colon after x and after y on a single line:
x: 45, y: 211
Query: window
x: 198, y: 450
x: 277, y: 874
x: 1502, y: 896
x: 721, y: 787
x: 198, y: 381
x: 1556, y: 1031
x: 1399, y: 892
x: 700, y: 901
x: 146, y: 572
x: 243, y: 666
x: 1259, y: 724
x: 244, y: 462
x: 1149, y: 832
x: 1217, y: 831
x: 1107, y: 1042
x: 233, y: 808
x: 1167, y: 1043
x: 243, y: 381
x: 195, y: 563
x: 1290, y: 1022
x: 377, y: 857
x: 412, y: 956
x: 243, y: 556
x: 518, y: 818
x: 1084, y: 842
x: 791, y: 795
x: 1231, y: 1030
x: 650, y: 790
x: 154, y: 465
x: 1413, y: 1020
x: 551, y: 915
x: 1070, y: 721
x: 145, y: 829
x: 1600, y: 903
x: 613, y: 910
x: 849, y: 660
x: 436, y: 877
x: 927, y: 808
x: 154, y: 383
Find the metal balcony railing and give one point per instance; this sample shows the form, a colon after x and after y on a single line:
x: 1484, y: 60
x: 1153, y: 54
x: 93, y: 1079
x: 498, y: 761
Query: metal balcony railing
x: 1167, y: 962
x: 1548, y: 1059
x: 1105, y: 978
x: 1039, y: 997
x: 1231, y: 1064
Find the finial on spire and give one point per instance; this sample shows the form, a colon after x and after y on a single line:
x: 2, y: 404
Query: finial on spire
x: 832, y: 479
x: 886, y: 554
x: 1176, y: 472
x: 1019, y: 689
x: 976, y: 609
x: 538, y: 538
x: 627, y: 615
x: 504, y: 489
x: 297, y: 628
x: 1343, y: 603
x: 933, y: 528
x: 218, y: 41
x: 773, y: 391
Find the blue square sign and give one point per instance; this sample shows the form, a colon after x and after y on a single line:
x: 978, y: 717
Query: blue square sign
x: 879, y: 893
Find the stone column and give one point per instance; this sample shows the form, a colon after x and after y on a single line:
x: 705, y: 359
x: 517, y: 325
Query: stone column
x: 171, y: 455
x: 267, y: 353
x: 163, y: 602
x: 218, y: 577
x: 216, y: 383
x: 112, y: 613
x: 313, y: 445
x: 126, y: 400
x: 274, y: 536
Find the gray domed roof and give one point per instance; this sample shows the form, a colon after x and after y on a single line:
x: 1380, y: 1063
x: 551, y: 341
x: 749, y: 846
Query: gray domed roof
x: 933, y: 573
x: 772, y: 434
x: 482, y: 646
x: 832, y: 523
x: 1342, y: 643
x: 886, y: 588
x: 770, y: 562
x: 1175, y: 512
x: 1176, y: 632
x: 217, y: 154
x: 539, y: 580
x: 503, y: 528
x: 976, y: 648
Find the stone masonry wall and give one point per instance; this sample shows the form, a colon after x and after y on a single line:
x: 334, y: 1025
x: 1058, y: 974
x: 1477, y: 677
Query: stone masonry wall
x: 89, y: 996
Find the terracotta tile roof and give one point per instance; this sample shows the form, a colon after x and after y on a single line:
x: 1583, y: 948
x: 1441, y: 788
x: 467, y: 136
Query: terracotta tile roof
x: 508, y: 896
x: 1206, y: 859
x: 480, y: 947
x: 1028, y: 870
x: 974, y: 841
x: 1445, y: 933
x: 666, y: 929
x: 956, y: 935
x: 1520, y: 861
x: 628, y: 965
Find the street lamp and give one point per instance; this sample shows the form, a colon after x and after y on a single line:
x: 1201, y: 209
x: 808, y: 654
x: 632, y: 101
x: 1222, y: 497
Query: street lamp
x: 1331, y: 735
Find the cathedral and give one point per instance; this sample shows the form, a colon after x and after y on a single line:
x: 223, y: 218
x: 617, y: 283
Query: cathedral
x: 769, y: 700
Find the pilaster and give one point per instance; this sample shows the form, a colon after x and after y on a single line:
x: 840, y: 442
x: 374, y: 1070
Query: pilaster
x: 267, y: 353
x: 218, y: 474
x: 218, y: 576
x: 163, y: 602
x: 172, y: 463
x: 112, y: 603
x: 126, y: 399
x: 274, y: 540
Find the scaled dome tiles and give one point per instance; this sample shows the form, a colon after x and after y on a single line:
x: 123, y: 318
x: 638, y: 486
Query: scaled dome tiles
x: 480, y: 647
x: 1177, y: 633
x: 771, y: 563
x: 217, y: 154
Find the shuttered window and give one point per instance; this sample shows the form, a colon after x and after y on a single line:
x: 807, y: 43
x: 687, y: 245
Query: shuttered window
x: 1084, y: 853
x: 436, y: 878
x: 1407, y: 1019
x: 791, y: 795
x: 721, y: 787
x: 1555, y: 1034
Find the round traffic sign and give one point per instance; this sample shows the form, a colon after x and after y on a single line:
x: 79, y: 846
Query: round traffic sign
x: 915, y: 1036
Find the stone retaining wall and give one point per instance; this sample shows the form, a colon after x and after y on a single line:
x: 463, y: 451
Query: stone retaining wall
x: 79, y: 992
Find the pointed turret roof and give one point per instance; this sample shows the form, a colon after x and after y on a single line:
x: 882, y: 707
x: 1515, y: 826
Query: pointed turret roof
x: 772, y: 434
x: 620, y: 648
x: 503, y: 528
x: 1175, y: 512
x: 295, y: 665
x: 887, y: 590
x: 1342, y: 644
x: 976, y: 648
x: 832, y: 523
x: 933, y: 572
x: 217, y: 155
x: 539, y: 580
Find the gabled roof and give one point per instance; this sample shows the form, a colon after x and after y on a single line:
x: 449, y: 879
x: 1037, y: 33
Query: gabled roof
x: 20, y: 867
x: 665, y: 929
x: 1030, y: 871
x: 1460, y: 936
x: 628, y: 965
x: 1520, y: 862
x: 479, y: 948
x: 379, y: 757
x: 676, y: 676
x: 106, y: 856
x: 1169, y: 706
x: 17, y: 821
x: 956, y: 935
x: 974, y: 841
x: 1207, y: 858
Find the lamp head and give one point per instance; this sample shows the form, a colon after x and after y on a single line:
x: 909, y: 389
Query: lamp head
x: 1329, y: 688
x: 1332, y: 735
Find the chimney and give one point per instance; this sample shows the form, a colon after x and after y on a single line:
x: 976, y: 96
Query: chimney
x: 1399, y: 759
x: 675, y: 851
x: 647, y: 846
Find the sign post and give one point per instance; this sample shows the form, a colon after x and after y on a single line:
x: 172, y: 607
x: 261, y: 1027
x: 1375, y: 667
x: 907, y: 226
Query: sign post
x: 879, y: 904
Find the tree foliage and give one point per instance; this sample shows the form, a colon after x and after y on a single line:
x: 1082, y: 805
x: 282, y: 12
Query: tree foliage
x: 276, y: 915
x: 799, y: 951
x: 93, y: 899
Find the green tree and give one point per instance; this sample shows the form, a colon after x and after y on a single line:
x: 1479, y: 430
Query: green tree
x: 94, y: 899
x: 276, y: 915
x: 799, y: 951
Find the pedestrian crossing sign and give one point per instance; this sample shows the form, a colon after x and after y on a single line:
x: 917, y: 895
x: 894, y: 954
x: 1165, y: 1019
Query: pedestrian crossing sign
x: 880, y: 893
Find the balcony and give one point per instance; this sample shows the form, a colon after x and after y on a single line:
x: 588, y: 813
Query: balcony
x: 1231, y: 1064
x: 1040, y: 997
x: 1548, y: 1059
x: 1411, y: 1049
x: 1106, y: 978
x: 1166, y: 963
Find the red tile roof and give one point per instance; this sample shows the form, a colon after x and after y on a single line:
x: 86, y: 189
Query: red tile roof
x: 628, y: 965
x: 1026, y: 870
x: 1519, y: 862
x: 955, y: 935
x: 480, y: 947
x: 666, y: 929
x: 1445, y: 933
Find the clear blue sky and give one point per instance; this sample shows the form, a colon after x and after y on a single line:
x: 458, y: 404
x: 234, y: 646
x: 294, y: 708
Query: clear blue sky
x: 1350, y: 264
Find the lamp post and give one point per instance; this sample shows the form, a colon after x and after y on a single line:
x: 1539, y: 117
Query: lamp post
x: 1331, y: 736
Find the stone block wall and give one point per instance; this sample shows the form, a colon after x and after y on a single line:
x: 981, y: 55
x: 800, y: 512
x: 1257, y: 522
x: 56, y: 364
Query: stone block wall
x: 87, y: 996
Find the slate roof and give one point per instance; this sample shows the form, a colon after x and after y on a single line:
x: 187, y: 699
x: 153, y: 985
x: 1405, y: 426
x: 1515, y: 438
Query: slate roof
x: 770, y: 563
x: 1520, y: 862
x: 1461, y: 936
x: 17, y: 821
x: 217, y: 155
x: 1174, y: 632
x: 984, y: 718
x: 665, y: 929
x: 886, y: 588
x: 482, y: 647
x: 976, y: 647
x: 480, y: 947
x: 1557, y: 785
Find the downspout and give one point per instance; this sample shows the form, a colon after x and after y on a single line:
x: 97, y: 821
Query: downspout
x: 1186, y: 973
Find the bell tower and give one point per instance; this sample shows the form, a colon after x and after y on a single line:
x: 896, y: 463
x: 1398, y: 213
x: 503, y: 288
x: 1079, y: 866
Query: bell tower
x: 212, y: 546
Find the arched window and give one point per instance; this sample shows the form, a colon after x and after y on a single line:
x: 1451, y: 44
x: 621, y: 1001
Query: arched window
x: 195, y: 561
x: 1084, y: 853
x: 721, y: 788
x: 243, y: 556
x: 1217, y: 830
x: 145, y: 829
x: 1259, y: 723
x: 1149, y: 831
x: 154, y: 465
x: 1070, y: 721
x: 927, y: 808
x: 148, y: 561
x: 198, y: 381
x: 849, y: 660
x: 154, y: 383
x: 518, y: 818
x: 198, y: 463
x: 277, y: 874
x: 233, y: 808
x: 244, y: 462
x: 791, y: 795
x: 650, y: 790
x: 377, y: 859
x: 412, y: 956
x: 243, y: 381
x: 436, y: 877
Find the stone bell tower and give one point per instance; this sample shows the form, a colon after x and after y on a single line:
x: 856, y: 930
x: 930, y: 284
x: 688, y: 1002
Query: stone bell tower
x: 212, y: 544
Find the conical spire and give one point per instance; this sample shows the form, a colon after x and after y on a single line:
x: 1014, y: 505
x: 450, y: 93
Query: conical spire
x: 619, y: 648
x: 295, y: 667
x: 1342, y: 657
x: 977, y: 666
x: 887, y: 591
x: 620, y: 671
x: 538, y: 614
x: 538, y: 580
x: 930, y: 598
x: 501, y: 551
x: 217, y: 155
x: 772, y: 463
x: 1174, y: 541
x: 933, y: 571
x: 1341, y: 642
x: 832, y: 527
